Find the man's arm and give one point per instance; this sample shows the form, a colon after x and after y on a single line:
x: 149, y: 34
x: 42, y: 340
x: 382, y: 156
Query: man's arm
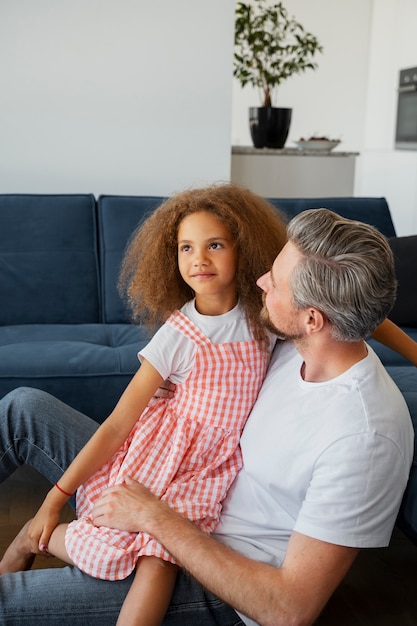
x: 294, y: 594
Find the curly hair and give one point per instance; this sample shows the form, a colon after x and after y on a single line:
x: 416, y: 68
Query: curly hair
x: 150, y: 280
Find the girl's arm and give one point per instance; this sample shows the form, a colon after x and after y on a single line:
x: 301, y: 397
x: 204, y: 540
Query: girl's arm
x: 99, y: 449
x: 393, y: 337
x: 114, y: 431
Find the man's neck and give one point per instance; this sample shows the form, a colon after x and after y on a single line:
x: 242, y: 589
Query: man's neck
x: 325, y: 362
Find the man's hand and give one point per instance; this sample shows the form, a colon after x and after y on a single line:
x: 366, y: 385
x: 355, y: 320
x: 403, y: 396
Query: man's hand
x: 130, y: 506
x: 294, y: 593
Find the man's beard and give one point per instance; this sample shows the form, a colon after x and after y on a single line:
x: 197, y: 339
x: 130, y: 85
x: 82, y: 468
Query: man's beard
x: 266, y: 321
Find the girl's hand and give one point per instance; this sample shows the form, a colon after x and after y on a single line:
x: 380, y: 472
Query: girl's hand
x: 166, y: 390
x: 42, y: 526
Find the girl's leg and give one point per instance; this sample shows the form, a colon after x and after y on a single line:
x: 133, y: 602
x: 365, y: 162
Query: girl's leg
x: 56, y: 544
x: 19, y: 556
x: 150, y: 594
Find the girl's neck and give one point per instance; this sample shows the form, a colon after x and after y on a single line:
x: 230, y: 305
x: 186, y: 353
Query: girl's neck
x: 207, y: 305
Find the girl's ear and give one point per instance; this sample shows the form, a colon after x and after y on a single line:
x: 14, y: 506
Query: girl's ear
x: 314, y: 320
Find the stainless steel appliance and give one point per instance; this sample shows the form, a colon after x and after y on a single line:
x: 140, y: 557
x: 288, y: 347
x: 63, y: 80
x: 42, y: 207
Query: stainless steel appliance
x: 406, y: 129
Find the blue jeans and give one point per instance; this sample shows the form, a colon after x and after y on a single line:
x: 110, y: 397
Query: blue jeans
x: 38, y: 430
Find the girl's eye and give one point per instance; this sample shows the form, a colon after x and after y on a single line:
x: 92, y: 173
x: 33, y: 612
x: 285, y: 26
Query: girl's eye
x: 185, y: 248
x: 215, y: 245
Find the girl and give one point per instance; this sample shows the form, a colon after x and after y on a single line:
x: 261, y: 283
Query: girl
x: 192, y: 266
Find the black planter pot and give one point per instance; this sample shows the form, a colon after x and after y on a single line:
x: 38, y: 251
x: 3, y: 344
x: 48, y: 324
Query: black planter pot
x: 269, y: 126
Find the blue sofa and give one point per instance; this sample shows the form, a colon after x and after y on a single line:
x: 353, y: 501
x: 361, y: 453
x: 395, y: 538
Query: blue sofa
x: 63, y: 326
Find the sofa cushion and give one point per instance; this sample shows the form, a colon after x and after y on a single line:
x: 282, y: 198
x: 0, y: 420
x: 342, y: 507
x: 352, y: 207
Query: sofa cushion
x: 48, y: 259
x: 86, y: 365
x: 406, y: 379
x: 374, y: 211
x: 404, y: 249
x: 118, y: 217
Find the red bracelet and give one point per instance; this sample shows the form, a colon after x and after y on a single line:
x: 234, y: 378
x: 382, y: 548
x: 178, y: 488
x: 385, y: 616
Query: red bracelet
x: 62, y: 491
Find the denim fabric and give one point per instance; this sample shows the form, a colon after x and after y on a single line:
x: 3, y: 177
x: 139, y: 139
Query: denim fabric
x: 67, y: 597
x: 39, y: 430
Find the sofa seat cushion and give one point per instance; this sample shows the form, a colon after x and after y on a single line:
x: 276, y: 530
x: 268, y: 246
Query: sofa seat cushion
x: 86, y: 365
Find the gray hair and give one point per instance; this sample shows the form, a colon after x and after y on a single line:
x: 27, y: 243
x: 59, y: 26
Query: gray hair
x: 347, y: 272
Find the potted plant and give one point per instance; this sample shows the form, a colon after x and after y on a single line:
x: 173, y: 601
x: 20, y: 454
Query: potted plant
x: 270, y: 46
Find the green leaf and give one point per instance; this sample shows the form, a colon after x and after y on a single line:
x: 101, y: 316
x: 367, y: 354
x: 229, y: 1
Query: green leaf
x: 270, y: 46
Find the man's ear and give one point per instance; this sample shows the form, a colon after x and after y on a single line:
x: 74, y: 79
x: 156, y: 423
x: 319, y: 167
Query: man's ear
x: 314, y: 320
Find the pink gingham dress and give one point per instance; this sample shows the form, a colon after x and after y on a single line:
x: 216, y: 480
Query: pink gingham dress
x: 185, y: 450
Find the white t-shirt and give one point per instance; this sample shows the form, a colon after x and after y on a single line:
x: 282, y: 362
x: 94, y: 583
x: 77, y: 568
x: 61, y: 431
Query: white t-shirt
x: 329, y: 460
x: 172, y: 354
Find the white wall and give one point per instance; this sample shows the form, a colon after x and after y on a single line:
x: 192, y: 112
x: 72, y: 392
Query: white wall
x: 382, y: 170
x: 353, y: 93
x: 135, y: 97
x: 114, y: 96
x: 331, y: 99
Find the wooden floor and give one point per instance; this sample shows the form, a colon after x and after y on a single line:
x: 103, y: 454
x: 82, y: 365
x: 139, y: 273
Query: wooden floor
x: 380, y: 589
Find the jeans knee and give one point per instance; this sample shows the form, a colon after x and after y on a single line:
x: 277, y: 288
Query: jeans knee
x: 22, y: 397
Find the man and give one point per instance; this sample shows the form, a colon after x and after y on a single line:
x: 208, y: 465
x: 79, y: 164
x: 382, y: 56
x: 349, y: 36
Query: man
x: 327, y: 451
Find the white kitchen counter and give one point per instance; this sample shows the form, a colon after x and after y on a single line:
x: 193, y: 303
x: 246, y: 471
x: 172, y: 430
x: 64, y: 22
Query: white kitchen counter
x: 292, y: 173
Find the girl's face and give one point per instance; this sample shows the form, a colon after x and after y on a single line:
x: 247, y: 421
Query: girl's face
x: 207, y: 261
